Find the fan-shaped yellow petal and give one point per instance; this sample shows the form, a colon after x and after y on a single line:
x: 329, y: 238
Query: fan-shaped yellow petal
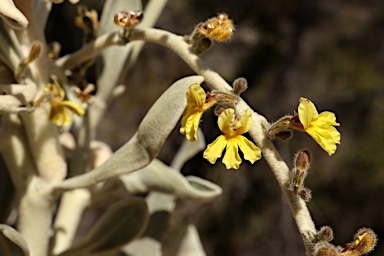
x: 74, y: 107
x: 245, y: 123
x: 215, y: 149
x: 226, y: 120
x: 195, y: 96
x: 307, y: 112
x: 232, y: 158
x: 251, y: 152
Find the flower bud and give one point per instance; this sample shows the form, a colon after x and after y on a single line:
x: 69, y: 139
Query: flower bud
x: 325, y: 234
x: 325, y: 249
x: 280, y: 129
x: 239, y: 85
x: 303, y: 160
x: 223, y: 97
x: 34, y: 53
x: 305, y: 194
x: 285, y: 135
x: 298, y: 174
x: 364, y: 242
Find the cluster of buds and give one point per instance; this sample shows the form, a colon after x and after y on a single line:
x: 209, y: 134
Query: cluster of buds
x: 219, y: 28
x: 364, y: 242
x: 88, y: 22
x: 302, y: 162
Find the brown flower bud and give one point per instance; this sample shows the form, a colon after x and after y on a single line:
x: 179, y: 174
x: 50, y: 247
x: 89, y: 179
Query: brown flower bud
x: 325, y: 234
x: 364, y: 242
x: 303, y: 160
x: 239, y: 85
x: 325, y: 249
x: 280, y: 129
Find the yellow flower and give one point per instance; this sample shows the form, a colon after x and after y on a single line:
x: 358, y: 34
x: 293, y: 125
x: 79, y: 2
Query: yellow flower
x: 319, y: 126
x: 232, y: 140
x: 196, y: 105
x: 58, y: 113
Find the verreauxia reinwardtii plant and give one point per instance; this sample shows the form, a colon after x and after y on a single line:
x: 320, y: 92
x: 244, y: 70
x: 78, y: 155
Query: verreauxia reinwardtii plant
x: 46, y: 100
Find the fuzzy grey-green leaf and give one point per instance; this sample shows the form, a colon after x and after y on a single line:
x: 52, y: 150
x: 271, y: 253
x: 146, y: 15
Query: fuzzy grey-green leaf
x: 159, y: 177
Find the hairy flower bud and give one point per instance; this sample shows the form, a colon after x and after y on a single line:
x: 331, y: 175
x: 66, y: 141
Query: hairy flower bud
x: 305, y: 194
x: 303, y: 160
x: 325, y: 249
x: 280, y: 129
x: 364, y: 242
x: 239, y: 85
x: 325, y: 234
x: 298, y: 174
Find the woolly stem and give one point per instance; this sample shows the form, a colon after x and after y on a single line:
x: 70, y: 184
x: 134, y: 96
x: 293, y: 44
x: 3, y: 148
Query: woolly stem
x: 90, y: 50
x: 279, y: 168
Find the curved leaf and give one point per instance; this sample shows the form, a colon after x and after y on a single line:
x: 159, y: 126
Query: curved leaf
x: 122, y: 223
x: 12, y: 15
x: 11, y: 242
x: 144, y: 146
x: 159, y: 177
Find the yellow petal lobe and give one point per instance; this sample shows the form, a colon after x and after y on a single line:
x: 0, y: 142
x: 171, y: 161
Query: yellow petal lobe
x: 74, y: 107
x: 196, y: 96
x: 215, y: 149
x: 225, y: 121
x: 245, y: 122
x: 251, y: 152
x: 232, y: 158
x: 307, y: 112
x: 232, y: 140
x: 59, y: 116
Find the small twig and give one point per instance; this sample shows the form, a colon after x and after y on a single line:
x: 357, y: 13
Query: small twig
x: 90, y: 50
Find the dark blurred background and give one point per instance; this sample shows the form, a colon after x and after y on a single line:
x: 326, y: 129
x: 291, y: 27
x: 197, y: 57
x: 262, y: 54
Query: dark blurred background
x: 329, y: 51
